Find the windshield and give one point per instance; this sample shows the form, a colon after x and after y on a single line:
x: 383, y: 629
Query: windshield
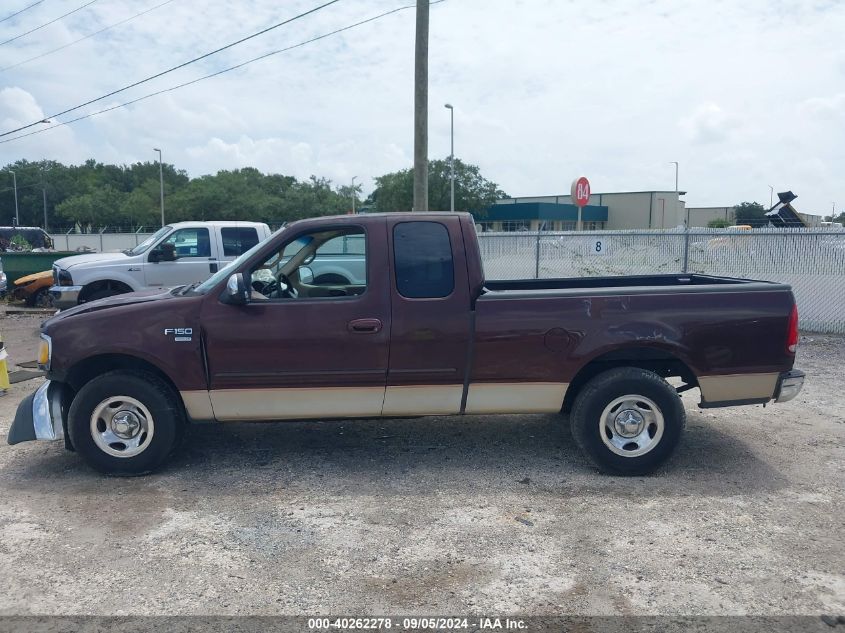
x: 152, y: 239
x: 230, y: 268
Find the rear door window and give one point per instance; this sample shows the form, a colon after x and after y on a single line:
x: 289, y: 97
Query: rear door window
x: 423, y: 261
x: 238, y: 239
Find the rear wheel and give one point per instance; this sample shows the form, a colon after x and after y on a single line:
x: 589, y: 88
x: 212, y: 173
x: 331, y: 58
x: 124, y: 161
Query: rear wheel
x: 125, y: 423
x: 628, y: 421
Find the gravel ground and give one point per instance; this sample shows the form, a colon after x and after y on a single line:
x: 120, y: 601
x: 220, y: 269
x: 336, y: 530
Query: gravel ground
x: 495, y: 515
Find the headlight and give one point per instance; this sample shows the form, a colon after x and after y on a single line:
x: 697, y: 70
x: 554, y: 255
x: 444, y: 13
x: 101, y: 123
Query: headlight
x: 45, y: 352
x: 62, y: 277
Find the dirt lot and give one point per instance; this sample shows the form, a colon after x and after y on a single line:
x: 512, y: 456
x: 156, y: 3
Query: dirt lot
x: 490, y: 515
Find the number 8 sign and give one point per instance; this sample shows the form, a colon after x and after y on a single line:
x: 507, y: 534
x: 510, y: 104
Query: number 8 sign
x: 596, y: 246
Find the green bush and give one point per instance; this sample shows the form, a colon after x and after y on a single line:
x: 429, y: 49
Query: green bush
x: 20, y: 243
x: 718, y: 223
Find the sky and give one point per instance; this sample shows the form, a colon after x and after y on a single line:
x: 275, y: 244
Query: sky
x: 744, y: 95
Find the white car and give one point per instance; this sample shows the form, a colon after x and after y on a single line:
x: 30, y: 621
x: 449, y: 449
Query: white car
x: 177, y: 254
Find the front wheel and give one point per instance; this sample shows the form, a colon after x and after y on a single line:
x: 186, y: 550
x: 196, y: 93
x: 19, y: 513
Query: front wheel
x: 125, y: 423
x: 628, y: 421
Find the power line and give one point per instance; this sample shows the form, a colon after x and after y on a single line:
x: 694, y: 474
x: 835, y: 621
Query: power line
x: 182, y: 65
x: 60, y: 48
x: 9, y: 17
x: 38, y: 28
x: 219, y: 72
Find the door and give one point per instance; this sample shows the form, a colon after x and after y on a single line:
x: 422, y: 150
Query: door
x: 300, y: 349
x: 196, y: 259
x: 430, y: 326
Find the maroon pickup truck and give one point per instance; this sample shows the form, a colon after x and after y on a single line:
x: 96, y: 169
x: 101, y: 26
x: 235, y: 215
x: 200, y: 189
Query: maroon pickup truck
x: 416, y: 331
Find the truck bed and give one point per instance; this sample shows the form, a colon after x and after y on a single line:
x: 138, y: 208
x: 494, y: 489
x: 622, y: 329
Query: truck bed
x: 633, y: 284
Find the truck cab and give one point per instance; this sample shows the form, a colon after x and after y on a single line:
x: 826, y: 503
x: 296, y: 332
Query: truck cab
x: 177, y: 254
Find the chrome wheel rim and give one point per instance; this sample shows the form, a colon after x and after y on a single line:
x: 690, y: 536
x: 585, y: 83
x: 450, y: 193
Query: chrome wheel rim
x: 631, y: 425
x: 122, y: 427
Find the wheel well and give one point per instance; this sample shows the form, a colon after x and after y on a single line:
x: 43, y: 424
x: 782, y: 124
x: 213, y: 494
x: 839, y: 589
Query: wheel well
x: 94, y: 366
x: 117, y: 287
x: 660, y: 362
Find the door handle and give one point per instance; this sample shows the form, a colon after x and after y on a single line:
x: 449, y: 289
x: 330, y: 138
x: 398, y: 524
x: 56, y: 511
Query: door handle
x: 212, y: 267
x: 365, y: 326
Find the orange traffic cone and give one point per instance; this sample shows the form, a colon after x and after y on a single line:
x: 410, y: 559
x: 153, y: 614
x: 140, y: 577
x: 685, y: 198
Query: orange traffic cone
x: 4, y: 370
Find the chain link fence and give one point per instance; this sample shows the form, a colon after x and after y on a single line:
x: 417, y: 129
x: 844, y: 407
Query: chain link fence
x: 812, y: 261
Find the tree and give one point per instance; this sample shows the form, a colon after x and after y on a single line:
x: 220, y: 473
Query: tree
x: 718, y: 223
x: 752, y: 213
x: 473, y: 192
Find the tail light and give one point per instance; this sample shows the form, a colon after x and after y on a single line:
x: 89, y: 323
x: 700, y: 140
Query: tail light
x: 792, y: 333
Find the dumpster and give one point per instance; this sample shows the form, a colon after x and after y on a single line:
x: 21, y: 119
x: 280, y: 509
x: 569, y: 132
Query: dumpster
x: 17, y: 265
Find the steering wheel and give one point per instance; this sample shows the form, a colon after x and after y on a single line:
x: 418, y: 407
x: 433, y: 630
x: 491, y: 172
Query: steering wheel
x: 267, y: 288
x: 285, y: 287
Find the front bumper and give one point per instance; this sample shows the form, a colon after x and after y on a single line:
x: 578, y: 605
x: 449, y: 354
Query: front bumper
x: 39, y: 416
x: 65, y: 297
x: 789, y: 385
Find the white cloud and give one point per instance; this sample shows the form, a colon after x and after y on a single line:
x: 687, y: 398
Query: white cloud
x: 543, y: 90
x: 824, y: 107
x: 708, y: 123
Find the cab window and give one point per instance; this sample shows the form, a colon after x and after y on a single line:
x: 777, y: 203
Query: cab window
x: 238, y: 239
x: 325, y: 264
x: 192, y: 242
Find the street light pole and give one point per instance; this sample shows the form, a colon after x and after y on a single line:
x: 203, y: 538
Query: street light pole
x: 161, y: 182
x: 44, y: 193
x: 353, y: 194
x: 15, y: 182
x: 677, y: 195
x: 771, y: 196
x: 452, y: 158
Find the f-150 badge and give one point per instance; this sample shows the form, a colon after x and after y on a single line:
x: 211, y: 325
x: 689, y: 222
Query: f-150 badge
x: 180, y: 333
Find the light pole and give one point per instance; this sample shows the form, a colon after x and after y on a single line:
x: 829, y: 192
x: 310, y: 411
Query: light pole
x: 353, y: 194
x: 452, y: 158
x: 15, y: 184
x: 44, y: 191
x: 677, y: 195
x: 771, y: 196
x: 160, y: 182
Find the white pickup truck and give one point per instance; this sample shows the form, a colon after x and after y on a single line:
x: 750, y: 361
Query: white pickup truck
x: 175, y: 255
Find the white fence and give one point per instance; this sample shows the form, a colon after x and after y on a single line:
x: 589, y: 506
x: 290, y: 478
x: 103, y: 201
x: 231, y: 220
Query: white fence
x: 810, y: 260
x: 102, y: 242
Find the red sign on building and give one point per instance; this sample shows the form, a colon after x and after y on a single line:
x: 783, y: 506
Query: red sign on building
x: 580, y: 192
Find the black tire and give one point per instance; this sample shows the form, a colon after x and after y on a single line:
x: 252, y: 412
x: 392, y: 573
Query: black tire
x: 153, y: 394
x: 102, y: 293
x: 331, y: 279
x: 40, y: 299
x: 657, y: 432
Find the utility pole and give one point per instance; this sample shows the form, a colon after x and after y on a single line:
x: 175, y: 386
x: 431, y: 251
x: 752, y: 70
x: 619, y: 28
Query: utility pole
x: 353, y: 194
x: 452, y: 159
x: 160, y: 182
x: 421, y: 109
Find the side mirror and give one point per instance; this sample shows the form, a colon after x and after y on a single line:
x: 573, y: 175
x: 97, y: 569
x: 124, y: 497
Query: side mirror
x: 168, y: 252
x: 163, y: 253
x: 306, y: 275
x: 237, y: 291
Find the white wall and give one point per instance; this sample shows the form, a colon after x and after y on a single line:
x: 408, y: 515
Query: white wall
x: 100, y: 242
